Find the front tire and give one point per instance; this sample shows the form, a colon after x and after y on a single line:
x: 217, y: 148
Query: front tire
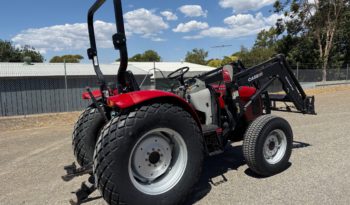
x: 152, y: 155
x: 267, y: 145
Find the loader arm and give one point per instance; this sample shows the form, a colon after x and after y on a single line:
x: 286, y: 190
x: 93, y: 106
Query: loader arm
x: 263, y: 75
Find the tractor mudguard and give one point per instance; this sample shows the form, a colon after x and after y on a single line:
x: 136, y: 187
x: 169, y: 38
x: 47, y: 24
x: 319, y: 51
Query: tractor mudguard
x: 127, y: 100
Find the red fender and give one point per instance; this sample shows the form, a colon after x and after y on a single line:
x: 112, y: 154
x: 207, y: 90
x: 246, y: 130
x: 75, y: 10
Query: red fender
x: 127, y: 100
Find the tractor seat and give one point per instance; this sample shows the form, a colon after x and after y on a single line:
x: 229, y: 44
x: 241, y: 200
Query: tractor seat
x: 227, y: 72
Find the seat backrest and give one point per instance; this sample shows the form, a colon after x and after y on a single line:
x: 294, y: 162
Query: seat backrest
x: 227, y: 73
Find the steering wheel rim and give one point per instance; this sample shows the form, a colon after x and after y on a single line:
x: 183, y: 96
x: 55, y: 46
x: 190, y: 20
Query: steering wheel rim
x: 183, y: 69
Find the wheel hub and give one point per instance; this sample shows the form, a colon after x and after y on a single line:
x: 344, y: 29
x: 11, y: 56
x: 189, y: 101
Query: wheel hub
x: 157, y: 161
x: 275, y: 146
x: 152, y: 158
x: 272, y: 145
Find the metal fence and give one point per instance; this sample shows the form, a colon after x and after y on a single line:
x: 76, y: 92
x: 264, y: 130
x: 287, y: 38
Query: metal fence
x: 33, y: 95
x: 40, y: 94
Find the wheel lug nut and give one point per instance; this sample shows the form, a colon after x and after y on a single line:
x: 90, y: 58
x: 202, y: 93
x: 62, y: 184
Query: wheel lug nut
x: 146, y: 160
x: 149, y: 165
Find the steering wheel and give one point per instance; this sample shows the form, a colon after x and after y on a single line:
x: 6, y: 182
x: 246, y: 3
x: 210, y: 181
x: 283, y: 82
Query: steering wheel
x: 179, y: 74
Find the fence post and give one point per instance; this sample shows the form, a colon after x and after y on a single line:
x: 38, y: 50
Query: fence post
x: 154, y: 75
x: 298, y: 71
x: 65, y: 83
x: 347, y: 72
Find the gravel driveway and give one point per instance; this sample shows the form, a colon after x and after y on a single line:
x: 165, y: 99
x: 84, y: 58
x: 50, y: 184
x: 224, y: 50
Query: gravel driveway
x: 34, y: 150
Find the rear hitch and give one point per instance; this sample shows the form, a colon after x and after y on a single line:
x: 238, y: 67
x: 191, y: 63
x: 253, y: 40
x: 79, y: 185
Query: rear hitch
x: 73, y: 171
x: 83, y: 193
x: 86, y: 188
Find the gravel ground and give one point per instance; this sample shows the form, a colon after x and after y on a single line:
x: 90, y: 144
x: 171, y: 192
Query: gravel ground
x: 33, y: 151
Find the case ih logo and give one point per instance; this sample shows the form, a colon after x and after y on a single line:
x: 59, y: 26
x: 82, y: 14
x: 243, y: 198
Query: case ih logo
x: 254, y: 77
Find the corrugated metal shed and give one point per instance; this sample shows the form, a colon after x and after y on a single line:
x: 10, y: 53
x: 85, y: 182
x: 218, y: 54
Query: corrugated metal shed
x: 166, y: 68
x: 170, y: 66
x: 57, y: 69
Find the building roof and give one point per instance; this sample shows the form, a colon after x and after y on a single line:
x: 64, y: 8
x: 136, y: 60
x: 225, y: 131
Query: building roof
x: 165, y: 68
x: 170, y: 66
x: 57, y: 69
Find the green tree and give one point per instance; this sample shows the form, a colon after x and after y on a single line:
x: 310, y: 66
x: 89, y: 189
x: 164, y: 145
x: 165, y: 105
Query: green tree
x: 147, y: 56
x: 135, y: 58
x: 30, y: 52
x: 150, y: 56
x: 266, y: 38
x: 9, y: 53
x: 228, y: 59
x: 255, y: 55
x: 214, y: 63
x: 316, y: 23
x: 67, y: 59
x: 197, y: 56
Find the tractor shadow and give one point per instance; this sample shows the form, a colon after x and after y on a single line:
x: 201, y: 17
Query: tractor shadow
x: 215, y: 167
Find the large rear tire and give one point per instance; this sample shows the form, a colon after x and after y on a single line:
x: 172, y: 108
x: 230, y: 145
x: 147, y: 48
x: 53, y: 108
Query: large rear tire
x: 152, y: 155
x: 85, y: 135
x: 267, y: 145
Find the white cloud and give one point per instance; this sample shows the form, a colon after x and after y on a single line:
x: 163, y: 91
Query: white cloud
x: 191, y: 26
x: 193, y: 11
x: 245, y: 5
x: 170, y: 16
x: 239, y: 25
x: 75, y: 36
x: 65, y: 37
x: 145, y: 23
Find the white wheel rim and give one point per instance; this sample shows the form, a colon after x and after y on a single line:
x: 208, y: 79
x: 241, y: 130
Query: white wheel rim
x: 157, y: 161
x: 275, y: 146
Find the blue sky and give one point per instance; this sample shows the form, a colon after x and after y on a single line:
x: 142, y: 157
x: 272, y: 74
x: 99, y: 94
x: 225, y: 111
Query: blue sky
x: 170, y: 27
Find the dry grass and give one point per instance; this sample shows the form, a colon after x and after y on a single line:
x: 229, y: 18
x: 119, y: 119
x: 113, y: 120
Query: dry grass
x: 43, y: 120
x: 327, y: 89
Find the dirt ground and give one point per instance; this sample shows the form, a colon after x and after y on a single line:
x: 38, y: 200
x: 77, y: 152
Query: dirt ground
x: 33, y: 151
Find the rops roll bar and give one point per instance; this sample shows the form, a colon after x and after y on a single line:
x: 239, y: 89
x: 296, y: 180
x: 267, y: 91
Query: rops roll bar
x: 119, y: 41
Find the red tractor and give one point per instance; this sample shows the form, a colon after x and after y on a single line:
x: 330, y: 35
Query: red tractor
x: 147, y: 146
